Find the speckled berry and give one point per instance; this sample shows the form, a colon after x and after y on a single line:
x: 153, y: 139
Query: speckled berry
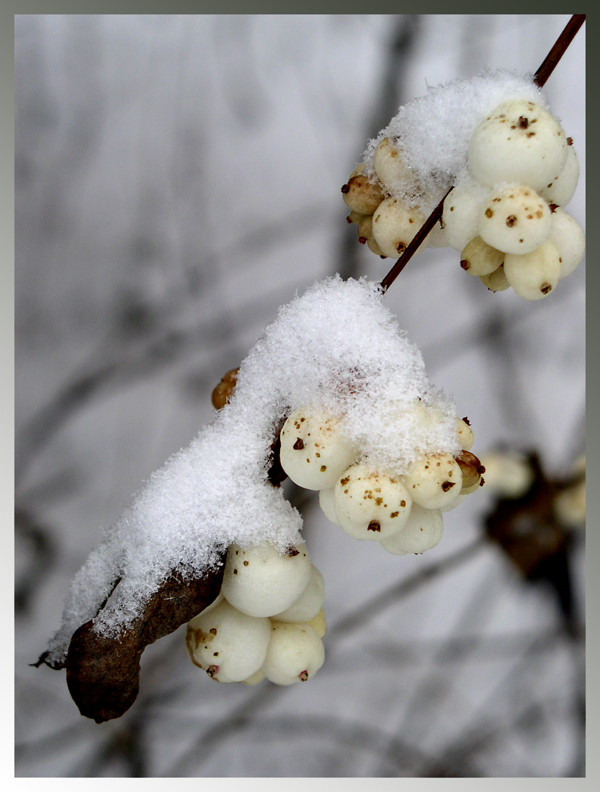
x: 371, y: 505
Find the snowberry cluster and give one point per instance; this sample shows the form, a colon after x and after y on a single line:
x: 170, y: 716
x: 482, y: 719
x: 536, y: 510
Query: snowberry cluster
x: 402, y: 511
x: 505, y: 213
x: 267, y: 621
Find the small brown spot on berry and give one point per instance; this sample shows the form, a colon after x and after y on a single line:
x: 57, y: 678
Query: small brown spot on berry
x: 303, y: 676
x: 298, y: 445
x: 545, y: 288
x: 465, y: 264
x: 511, y: 220
x: 488, y: 212
x: 374, y: 525
x: 448, y: 485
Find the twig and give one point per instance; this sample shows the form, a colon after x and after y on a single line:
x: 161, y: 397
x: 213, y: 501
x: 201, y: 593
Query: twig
x: 414, y: 244
x: 558, y: 50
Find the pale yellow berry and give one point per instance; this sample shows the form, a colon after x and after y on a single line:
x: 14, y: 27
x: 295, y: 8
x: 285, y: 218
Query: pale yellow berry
x: 389, y: 165
x: 466, y: 438
x: 434, y: 480
x: 508, y: 474
x: 479, y: 258
x: 361, y: 194
x: 319, y: 624
x: 295, y: 654
x: 534, y: 275
x: 496, y: 281
x: 394, y: 226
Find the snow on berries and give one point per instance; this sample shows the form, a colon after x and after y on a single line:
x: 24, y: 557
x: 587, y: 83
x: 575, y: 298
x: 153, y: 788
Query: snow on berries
x: 494, y: 143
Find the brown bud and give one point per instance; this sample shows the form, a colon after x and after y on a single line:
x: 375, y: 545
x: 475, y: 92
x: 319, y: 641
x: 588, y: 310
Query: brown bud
x: 221, y: 395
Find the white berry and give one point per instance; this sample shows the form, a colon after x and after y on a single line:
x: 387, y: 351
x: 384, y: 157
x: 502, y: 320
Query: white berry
x: 422, y: 531
x: 434, y: 480
x: 327, y: 504
x: 229, y: 645
x: 461, y: 214
x: 568, y: 236
x: 514, y: 219
x: 518, y: 142
x: 394, y: 226
x: 308, y: 604
x: 534, y: 275
x: 295, y: 654
x: 262, y: 581
x: 562, y: 188
x: 314, y: 450
x: 371, y: 505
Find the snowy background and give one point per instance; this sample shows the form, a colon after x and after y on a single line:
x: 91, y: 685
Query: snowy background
x: 177, y: 180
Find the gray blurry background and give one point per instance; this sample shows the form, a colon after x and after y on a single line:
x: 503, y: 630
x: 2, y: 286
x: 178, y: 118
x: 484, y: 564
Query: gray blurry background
x: 177, y: 179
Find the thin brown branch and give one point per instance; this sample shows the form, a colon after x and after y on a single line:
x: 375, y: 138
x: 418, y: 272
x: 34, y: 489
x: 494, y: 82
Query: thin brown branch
x: 558, y: 50
x: 414, y: 244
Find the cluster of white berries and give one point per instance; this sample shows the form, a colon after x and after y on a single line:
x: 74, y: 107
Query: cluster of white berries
x: 400, y: 509
x: 267, y: 621
x: 505, y: 215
